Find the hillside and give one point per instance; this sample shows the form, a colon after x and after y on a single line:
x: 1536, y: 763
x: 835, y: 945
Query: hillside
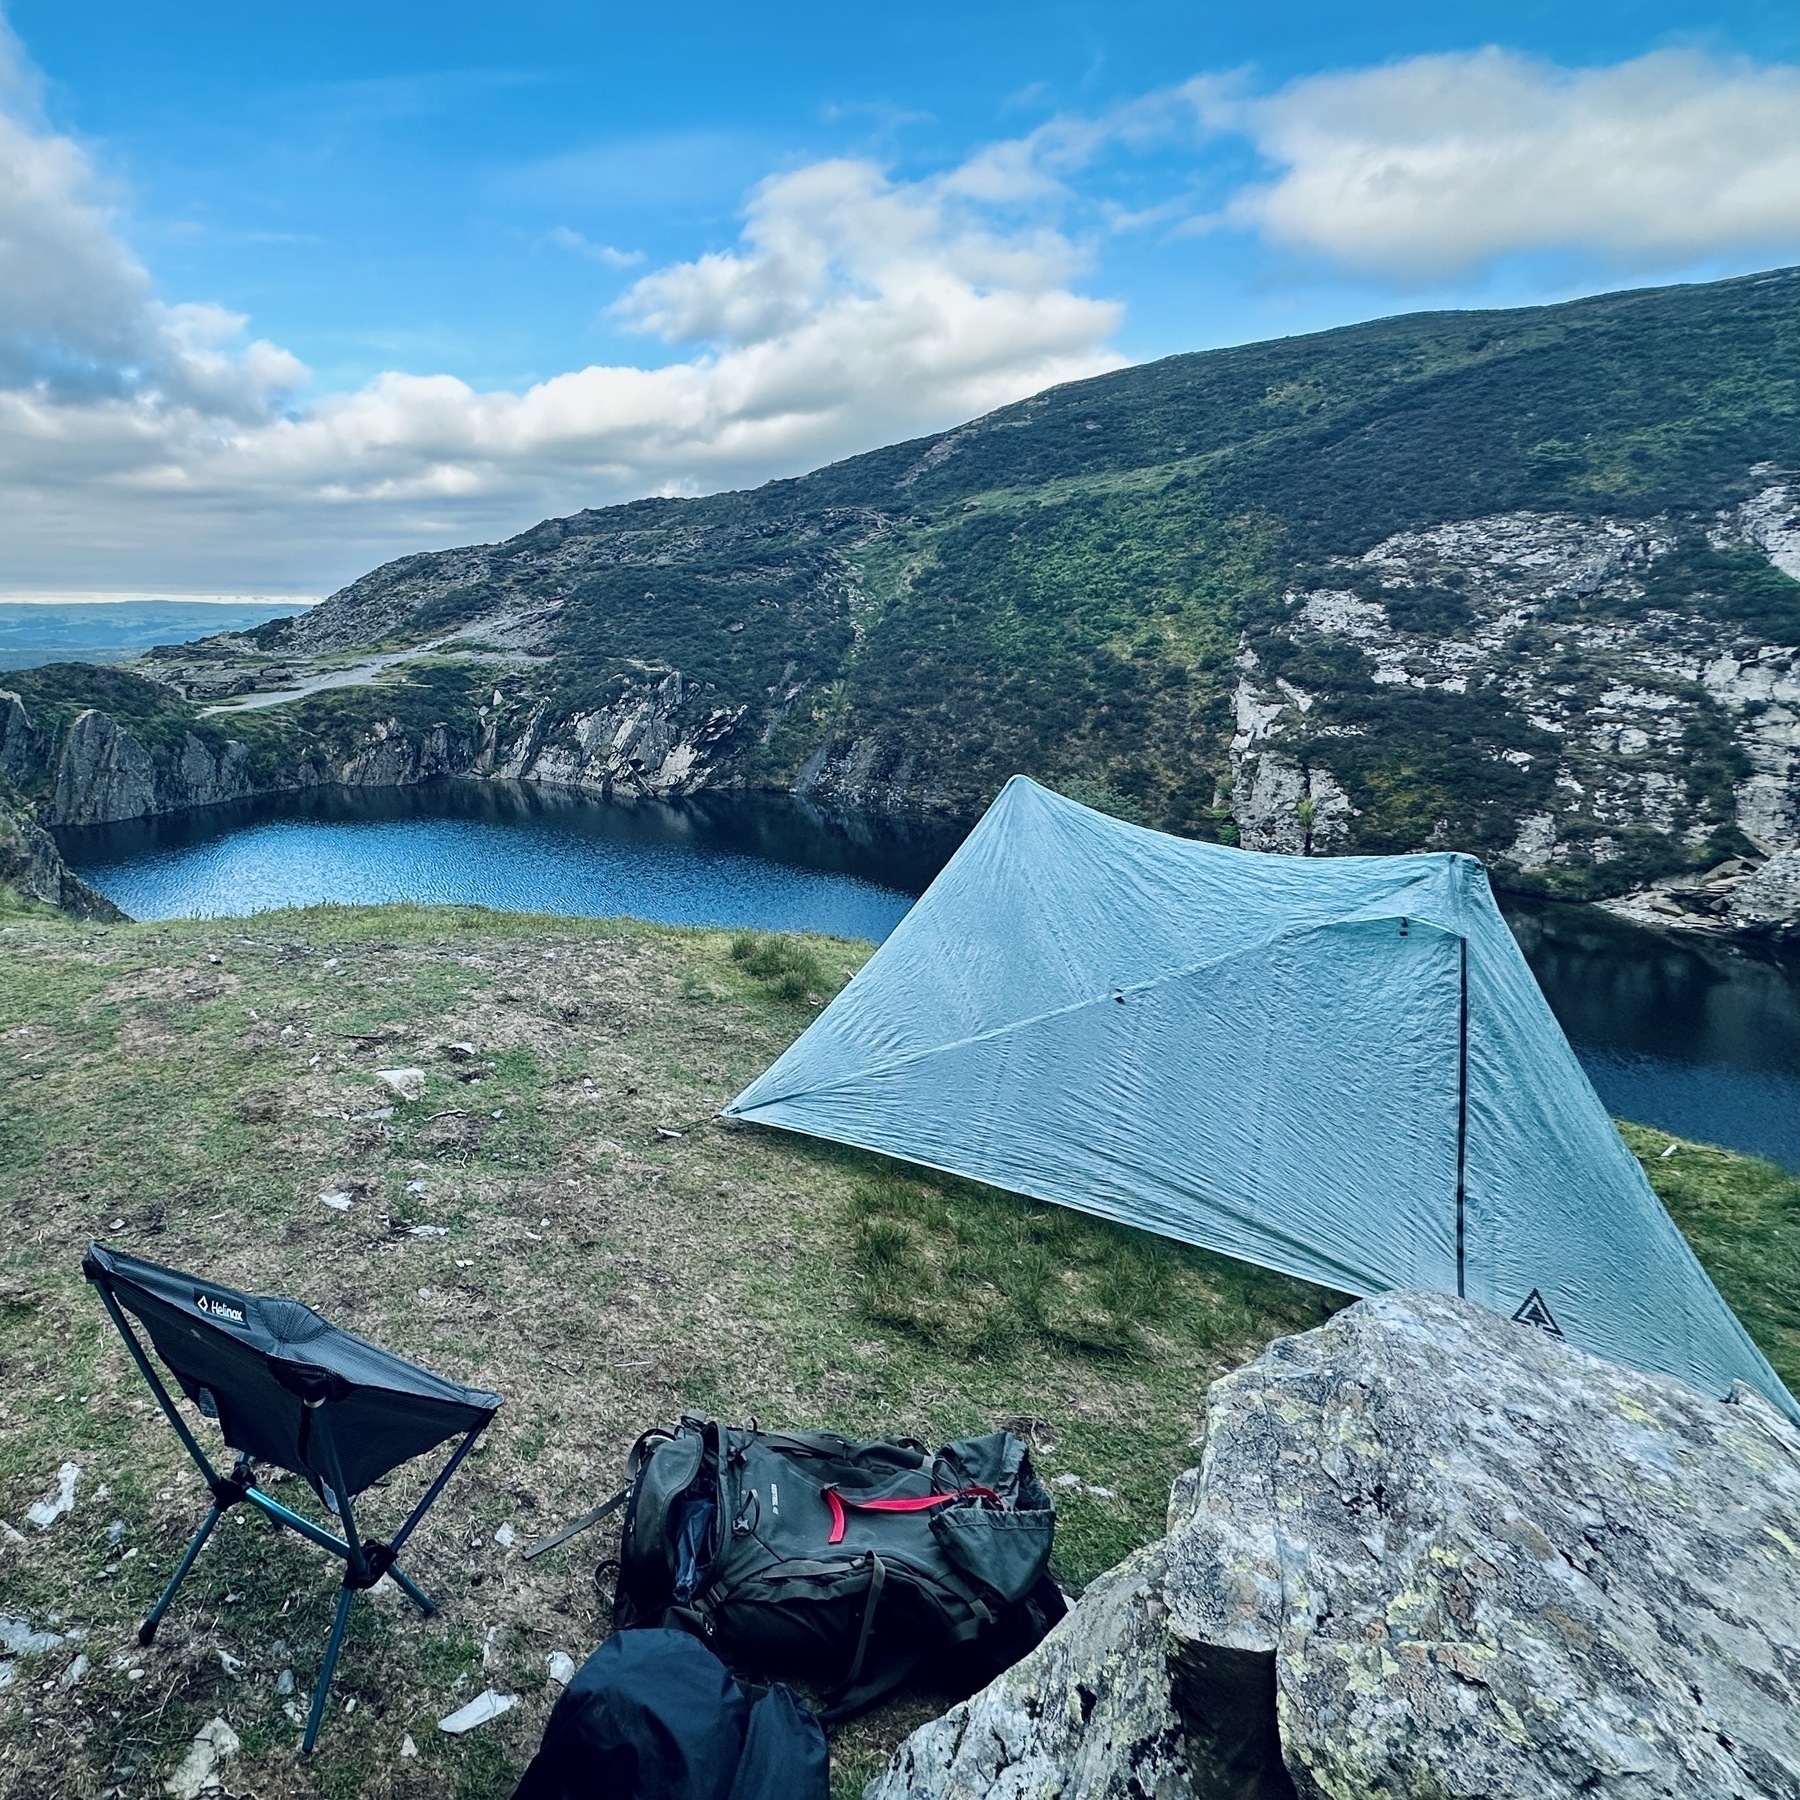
x: 1515, y: 582
x: 562, y: 1218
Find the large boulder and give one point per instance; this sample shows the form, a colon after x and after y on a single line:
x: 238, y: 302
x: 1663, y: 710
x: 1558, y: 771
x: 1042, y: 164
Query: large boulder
x: 1426, y: 1552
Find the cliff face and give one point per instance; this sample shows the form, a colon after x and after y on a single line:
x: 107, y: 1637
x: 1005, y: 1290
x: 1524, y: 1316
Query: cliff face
x: 103, y: 773
x: 1520, y: 583
x: 33, y: 868
x: 660, y: 739
x: 1615, y: 714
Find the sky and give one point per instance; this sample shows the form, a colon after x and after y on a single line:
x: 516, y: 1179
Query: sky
x: 287, y: 290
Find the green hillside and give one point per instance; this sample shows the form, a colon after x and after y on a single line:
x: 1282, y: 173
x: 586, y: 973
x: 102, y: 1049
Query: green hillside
x: 1067, y: 587
x: 1059, y: 586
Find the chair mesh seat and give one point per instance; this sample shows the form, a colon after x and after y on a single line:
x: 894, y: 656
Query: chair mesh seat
x: 290, y: 1389
x: 259, y: 1358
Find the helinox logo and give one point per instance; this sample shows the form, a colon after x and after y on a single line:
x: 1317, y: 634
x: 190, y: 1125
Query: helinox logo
x: 215, y: 1308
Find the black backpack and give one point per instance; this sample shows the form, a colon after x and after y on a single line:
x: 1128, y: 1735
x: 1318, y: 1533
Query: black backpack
x: 812, y: 1557
x: 654, y: 1715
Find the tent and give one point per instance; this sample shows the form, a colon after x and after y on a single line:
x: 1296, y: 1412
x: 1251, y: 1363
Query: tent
x: 1340, y: 1068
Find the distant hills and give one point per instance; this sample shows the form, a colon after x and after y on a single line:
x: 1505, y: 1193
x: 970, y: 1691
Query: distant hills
x: 1455, y: 579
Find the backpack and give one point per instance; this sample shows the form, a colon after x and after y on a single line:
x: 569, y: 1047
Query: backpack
x: 654, y: 1715
x: 812, y: 1557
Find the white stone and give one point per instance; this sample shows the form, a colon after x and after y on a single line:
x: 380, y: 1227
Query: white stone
x: 213, y: 1744
x: 486, y: 1705
x: 44, y: 1513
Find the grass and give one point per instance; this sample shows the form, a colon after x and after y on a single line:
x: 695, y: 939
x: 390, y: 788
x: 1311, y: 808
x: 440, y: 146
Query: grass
x: 612, y: 1254
x: 1743, y: 1216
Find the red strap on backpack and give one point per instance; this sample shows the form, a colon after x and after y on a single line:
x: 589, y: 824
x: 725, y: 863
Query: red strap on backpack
x: 906, y: 1504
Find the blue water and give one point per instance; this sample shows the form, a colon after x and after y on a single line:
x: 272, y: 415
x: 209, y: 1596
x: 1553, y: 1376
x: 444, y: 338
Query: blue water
x: 770, y: 868
x: 1698, y: 1038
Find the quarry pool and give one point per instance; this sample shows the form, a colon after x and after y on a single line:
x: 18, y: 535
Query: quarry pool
x: 1697, y: 1037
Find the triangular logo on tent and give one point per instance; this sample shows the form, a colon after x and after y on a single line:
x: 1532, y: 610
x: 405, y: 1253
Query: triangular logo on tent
x: 1535, y: 1312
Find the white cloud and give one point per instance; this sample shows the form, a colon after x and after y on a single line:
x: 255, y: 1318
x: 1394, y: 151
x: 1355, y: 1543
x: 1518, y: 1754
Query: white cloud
x: 566, y: 239
x: 143, y: 443
x: 77, y: 314
x: 1443, y: 163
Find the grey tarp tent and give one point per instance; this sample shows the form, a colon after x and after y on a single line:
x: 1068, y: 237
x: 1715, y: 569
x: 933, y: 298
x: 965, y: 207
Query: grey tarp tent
x: 1341, y: 1068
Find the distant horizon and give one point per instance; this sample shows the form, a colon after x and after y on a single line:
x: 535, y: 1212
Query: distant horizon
x: 287, y: 296
x: 43, y: 597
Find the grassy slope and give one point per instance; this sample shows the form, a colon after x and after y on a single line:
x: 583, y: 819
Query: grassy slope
x: 1059, y: 587
x: 204, y: 1082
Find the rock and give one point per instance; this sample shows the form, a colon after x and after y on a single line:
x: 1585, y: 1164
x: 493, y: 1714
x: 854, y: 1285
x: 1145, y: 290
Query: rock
x: 409, y: 1084
x: 486, y: 1705
x: 32, y: 866
x: 1546, y: 613
x: 1089, y: 1714
x: 213, y: 1744
x: 21, y: 745
x: 18, y: 1639
x: 44, y: 1513
x: 104, y: 773
x: 1426, y: 1552
x: 1740, y: 898
x: 1768, y: 899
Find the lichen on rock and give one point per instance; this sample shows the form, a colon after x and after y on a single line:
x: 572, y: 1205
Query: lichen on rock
x: 1426, y: 1551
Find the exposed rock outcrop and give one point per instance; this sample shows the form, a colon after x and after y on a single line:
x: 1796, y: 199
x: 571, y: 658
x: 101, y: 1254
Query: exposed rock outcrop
x: 659, y: 738
x: 104, y: 773
x: 1743, y: 896
x: 32, y: 866
x: 1618, y: 720
x: 21, y: 745
x: 1426, y: 1551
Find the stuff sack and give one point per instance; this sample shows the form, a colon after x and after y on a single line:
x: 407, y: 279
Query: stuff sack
x: 809, y: 1556
x: 654, y: 1715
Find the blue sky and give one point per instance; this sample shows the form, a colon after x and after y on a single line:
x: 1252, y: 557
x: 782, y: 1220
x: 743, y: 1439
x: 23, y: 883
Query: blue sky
x: 297, y: 288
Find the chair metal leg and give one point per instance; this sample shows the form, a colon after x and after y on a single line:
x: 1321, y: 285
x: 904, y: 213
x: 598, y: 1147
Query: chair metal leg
x: 404, y: 1582
x: 147, y: 1630
x: 332, y: 1647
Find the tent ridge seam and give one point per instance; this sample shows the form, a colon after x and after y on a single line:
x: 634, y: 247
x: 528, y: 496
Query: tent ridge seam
x: 1062, y: 1012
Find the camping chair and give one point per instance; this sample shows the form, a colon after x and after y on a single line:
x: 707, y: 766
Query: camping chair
x: 289, y: 1389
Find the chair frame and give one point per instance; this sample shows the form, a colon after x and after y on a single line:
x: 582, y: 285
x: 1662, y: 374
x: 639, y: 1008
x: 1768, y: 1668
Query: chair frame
x: 365, y: 1561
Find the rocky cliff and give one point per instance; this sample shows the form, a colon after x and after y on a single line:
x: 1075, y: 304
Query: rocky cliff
x: 1520, y: 583
x: 1425, y: 1551
x: 1614, y: 714
x: 32, y: 868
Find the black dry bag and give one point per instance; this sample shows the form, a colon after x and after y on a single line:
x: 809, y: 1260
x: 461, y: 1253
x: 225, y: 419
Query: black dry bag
x: 654, y: 1715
